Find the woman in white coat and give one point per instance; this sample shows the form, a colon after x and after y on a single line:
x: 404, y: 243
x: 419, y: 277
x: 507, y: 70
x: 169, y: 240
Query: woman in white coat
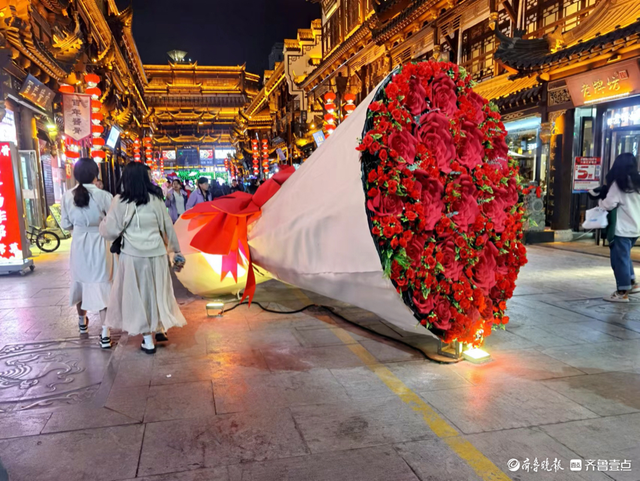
x: 83, y: 208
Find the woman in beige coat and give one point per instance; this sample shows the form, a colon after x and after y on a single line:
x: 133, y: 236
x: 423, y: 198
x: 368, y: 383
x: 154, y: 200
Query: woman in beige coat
x: 142, y: 300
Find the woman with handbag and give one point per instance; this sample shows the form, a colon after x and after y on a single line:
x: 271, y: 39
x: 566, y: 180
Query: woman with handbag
x: 82, y: 210
x: 623, y: 195
x: 142, y: 300
x: 176, y: 201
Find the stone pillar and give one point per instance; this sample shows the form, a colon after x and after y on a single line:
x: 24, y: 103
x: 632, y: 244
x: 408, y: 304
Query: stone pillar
x: 561, y: 156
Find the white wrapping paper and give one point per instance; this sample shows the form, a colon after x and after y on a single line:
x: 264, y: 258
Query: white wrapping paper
x: 314, y: 232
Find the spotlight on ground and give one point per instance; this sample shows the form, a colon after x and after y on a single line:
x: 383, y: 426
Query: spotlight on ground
x: 476, y: 356
x: 215, y: 309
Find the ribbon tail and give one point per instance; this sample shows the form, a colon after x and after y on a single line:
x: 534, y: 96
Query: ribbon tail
x: 250, y: 288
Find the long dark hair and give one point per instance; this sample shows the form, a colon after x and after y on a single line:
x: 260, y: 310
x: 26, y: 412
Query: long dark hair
x: 624, y: 172
x: 136, y: 184
x: 85, y: 171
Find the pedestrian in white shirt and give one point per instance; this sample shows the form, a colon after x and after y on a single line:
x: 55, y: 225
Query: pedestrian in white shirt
x: 176, y: 200
x: 142, y: 300
x: 83, y: 208
x: 624, y: 195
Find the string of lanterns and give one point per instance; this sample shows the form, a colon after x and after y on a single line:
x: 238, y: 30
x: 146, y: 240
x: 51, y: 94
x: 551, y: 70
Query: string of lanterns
x: 329, y: 117
x: 350, y: 105
x: 136, y: 150
x: 256, y: 157
x: 148, y: 151
x: 265, y: 156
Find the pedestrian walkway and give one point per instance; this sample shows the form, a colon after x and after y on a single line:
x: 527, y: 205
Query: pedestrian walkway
x: 589, y: 246
x: 256, y: 395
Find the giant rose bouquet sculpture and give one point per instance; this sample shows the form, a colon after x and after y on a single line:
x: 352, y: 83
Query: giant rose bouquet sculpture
x: 410, y: 210
x: 442, y: 200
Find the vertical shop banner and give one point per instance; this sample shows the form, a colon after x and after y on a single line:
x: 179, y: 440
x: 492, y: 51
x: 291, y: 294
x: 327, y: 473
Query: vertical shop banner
x: 10, y: 235
x: 587, y: 172
x: 76, y: 109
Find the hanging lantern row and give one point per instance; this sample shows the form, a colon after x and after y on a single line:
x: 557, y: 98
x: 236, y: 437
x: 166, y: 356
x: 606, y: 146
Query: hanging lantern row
x: 265, y: 156
x: 97, y: 150
x: 350, y: 106
x: 136, y: 150
x: 256, y: 156
x: 329, y: 117
x: 148, y: 151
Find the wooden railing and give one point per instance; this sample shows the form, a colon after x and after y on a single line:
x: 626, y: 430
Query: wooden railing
x: 579, y: 15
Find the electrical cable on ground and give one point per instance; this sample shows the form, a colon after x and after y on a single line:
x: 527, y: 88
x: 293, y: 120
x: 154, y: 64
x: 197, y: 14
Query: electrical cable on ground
x: 330, y: 310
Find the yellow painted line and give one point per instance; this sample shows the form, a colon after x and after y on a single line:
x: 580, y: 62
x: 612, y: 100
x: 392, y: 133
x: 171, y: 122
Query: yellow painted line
x: 482, y: 465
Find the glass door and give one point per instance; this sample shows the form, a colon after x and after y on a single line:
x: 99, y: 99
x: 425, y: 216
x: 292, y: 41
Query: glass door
x: 30, y: 192
x: 623, y: 141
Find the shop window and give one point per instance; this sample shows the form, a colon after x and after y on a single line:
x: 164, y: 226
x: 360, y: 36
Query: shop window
x: 331, y: 33
x: 478, y: 46
x: 522, y: 140
x: 352, y: 14
x: 543, y: 17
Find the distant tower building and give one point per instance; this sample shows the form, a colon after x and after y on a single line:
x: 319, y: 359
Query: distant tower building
x: 276, y: 55
x: 178, y: 56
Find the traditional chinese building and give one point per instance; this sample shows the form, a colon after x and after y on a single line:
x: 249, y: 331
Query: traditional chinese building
x: 280, y: 112
x: 48, y: 43
x: 193, y: 110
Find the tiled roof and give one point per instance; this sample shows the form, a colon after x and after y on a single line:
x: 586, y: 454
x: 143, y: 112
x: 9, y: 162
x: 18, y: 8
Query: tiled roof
x: 530, y: 55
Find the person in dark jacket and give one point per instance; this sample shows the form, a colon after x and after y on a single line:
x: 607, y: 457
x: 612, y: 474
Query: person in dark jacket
x: 235, y: 187
x: 216, y: 190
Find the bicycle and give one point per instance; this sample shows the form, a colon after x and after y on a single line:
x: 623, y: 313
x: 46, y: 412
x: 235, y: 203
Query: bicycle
x: 46, y: 240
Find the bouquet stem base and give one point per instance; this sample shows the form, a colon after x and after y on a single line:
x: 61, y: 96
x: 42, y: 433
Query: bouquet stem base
x: 446, y: 353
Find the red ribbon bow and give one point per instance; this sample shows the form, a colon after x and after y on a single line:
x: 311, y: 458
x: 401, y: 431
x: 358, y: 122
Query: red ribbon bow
x: 224, y: 224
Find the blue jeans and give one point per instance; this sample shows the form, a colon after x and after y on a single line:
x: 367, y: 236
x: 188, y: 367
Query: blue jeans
x: 621, y: 262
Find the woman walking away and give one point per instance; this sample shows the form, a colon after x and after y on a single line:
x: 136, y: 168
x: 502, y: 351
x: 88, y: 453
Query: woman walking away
x: 142, y: 299
x: 624, y: 196
x: 83, y: 208
x: 176, y: 200
x: 201, y: 194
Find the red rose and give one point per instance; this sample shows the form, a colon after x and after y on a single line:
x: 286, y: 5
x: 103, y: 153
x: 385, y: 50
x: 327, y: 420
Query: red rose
x: 415, y: 249
x: 470, y: 149
x: 478, y: 106
x: 415, y: 100
x: 484, y: 272
x: 495, y: 210
x: 442, y: 310
x: 404, y: 144
x: 466, y: 208
x: 434, y: 131
x: 384, y: 205
x: 423, y: 306
x: 431, y: 191
x: 452, y: 268
x: 443, y: 94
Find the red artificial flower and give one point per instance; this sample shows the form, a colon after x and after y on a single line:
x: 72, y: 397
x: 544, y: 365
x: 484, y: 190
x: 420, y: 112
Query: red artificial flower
x: 443, y: 94
x: 404, y: 144
x: 434, y: 131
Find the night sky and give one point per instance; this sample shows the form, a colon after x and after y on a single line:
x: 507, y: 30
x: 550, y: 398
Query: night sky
x: 217, y: 32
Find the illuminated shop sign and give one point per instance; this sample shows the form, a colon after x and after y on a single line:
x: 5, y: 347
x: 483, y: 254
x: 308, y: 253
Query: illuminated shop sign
x: 10, y: 235
x: 605, y: 84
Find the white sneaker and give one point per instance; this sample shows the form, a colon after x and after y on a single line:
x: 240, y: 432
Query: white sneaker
x: 617, y: 297
x: 83, y: 324
x: 635, y: 289
x: 105, y: 342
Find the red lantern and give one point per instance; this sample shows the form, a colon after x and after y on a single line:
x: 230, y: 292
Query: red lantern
x: 91, y: 79
x: 98, y: 154
x: 66, y: 89
x: 98, y: 141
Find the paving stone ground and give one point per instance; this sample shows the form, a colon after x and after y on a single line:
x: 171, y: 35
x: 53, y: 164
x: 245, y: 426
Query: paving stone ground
x: 255, y: 395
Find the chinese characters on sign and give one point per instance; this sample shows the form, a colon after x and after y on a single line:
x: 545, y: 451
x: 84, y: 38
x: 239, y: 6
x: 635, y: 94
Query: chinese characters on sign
x: 10, y: 235
x: 618, y: 80
x: 586, y: 173
x: 37, y: 92
x: 545, y: 465
x: 77, y: 116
